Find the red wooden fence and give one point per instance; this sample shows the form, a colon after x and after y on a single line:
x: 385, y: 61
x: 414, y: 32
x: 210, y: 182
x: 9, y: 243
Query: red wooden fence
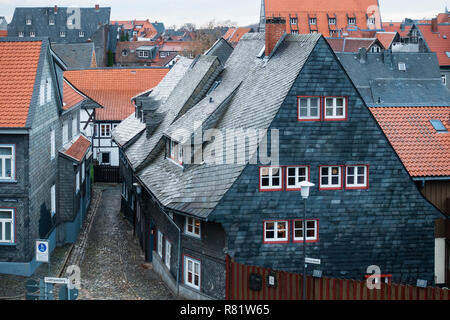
x: 289, y: 287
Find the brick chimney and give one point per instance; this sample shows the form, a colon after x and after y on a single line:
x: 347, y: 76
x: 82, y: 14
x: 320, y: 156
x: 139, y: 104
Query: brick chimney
x: 97, y: 7
x: 275, y: 28
x: 56, y: 9
x: 434, y: 25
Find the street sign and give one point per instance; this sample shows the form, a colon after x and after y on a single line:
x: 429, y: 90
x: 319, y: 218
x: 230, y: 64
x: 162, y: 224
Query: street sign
x: 56, y: 280
x: 32, y: 286
x: 312, y: 261
x: 42, y: 251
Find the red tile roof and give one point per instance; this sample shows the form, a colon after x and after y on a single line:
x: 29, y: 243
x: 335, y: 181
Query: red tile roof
x: 18, y: 65
x: 349, y: 44
x: 78, y: 149
x: 147, y: 29
x: 386, y: 38
x: 113, y: 88
x: 233, y: 35
x: 319, y: 9
x: 70, y: 96
x: 423, y: 151
x: 438, y: 42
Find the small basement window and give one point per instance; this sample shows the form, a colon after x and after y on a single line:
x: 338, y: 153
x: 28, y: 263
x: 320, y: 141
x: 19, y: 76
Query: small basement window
x: 438, y: 126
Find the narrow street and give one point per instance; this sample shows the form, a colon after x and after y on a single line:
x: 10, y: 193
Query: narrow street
x: 111, y: 264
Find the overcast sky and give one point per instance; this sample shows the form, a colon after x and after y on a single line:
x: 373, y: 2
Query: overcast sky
x: 200, y: 11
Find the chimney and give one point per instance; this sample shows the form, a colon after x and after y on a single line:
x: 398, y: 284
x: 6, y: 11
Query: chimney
x: 434, y: 25
x: 97, y: 7
x: 275, y: 29
x: 56, y: 9
x: 362, y: 55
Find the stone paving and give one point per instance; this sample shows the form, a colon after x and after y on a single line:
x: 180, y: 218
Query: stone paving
x: 109, y: 257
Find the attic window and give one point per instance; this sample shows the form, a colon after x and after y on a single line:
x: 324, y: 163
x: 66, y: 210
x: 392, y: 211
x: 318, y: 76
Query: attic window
x: 262, y: 52
x: 81, y: 34
x: 28, y: 22
x: 351, y: 20
x: 51, y: 22
x: 448, y: 54
x: 124, y: 53
x: 293, y: 20
x: 331, y: 20
x: 312, y: 20
x: 174, y: 151
x: 32, y: 34
x: 438, y: 126
x: 20, y: 34
x: 371, y: 21
x: 402, y: 66
x: 62, y: 34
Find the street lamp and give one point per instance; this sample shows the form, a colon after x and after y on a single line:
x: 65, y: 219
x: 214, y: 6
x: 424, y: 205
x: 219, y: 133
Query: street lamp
x: 305, y: 186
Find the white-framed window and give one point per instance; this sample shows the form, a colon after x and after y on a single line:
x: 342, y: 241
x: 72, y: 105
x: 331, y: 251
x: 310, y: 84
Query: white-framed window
x: 311, y: 230
x: 124, y: 191
x: 312, y: 20
x: 42, y: 94
x: 276, y: 231
x: 105, y: 130
x: 330, y: 177
x: 81, y: 34
x: 402, y: 66
x: 62, y: 34
x: 77, y: 181
x: 65, y: 130
x: 309, y: 108
x: 53, y: 200
x: 160, y: 244
x: 51, y: 22
x: 74, y: 126
x: 295, y: 175
x: 167, y: 254
x: 28, y: 22
x: 270, y: 178
x: 192, y: 227
x: 83, y: 171
x: 375, y: 49
x: 335, y: 108
x: 293, y: 20
x: 192, y: 272
x: 7, y: 161
x: 175, y: 151
x: 371, y: 21
x: 32, y: 34
x: 21, y: 34
x: 294, y: 32
x: 444, y: 79
x: 143, y: 54
x: 357, y: 177
x: 331, y: 20
x: 351, y: 20
x: 105, y: 158
x: 52, y: 144
x: 48, y: 84
x: 162, y: 54
x: 6, y: 225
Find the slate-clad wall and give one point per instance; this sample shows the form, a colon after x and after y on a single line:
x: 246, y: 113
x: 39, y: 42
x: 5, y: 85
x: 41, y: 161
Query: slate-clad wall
x: 126, y: 175
x: 390, y: 224
x: 15, y: 195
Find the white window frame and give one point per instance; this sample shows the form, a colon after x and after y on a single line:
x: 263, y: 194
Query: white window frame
x: 313, y: 21
x: 275, y: 229
x: 444, y: 79
x: 32, y: 34
x: 308, y: 108
x: 335, y: 107
x: 81, y: 34
x: 168, y: 254
x: 160, y: 243
x: 330, y: 176
x: 52, y: 144
x: 162, y: 54
x: 48, y: 85
x: 352, y: 21
x: 296, y: 176
x: 193, y: 262
x: 191, y: 223
x: 28, y: 22
x: 62, y: 34
x: 53, y: 200
x: 295, y: 228
x: 65, y: 130
x: 101, y: 158
x: 77, y: 181
x: 270, y: 176
x: 293, y: 20
x: 3, y: 159
x: 3, y: 222
x: 74, y: 126
x: 332, y: 21
x: 375, y: 49
x: 106, y: 135
x: 21, y: 35
x: 370, y: 21
x: 143, y: 54
x: 51, y: 22
x: 42, y: 96
x: 83, y: 171
x: 356, y: 175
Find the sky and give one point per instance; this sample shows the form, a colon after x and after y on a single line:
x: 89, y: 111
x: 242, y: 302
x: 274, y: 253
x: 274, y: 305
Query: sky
x: 199, y: 12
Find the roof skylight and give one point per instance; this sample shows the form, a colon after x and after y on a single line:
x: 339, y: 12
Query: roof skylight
x: 438, y: 126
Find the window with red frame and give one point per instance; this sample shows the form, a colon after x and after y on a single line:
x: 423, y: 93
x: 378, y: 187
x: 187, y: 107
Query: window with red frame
x: 312, y: 230
x: 308, y: 108
x: 330, y: 177
x: 270, y: 178
x: 357, y: 177
x: 295, y: 175
x: 335, y: 108
x: 276, y: 231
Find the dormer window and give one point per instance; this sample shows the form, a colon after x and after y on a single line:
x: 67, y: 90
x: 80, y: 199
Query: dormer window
x: 32, y: 34
x: 51, y: 22
x: 371, y: 21
x: 143, y: 54
x: 375, y: 49
x: 293, y: 20
x: 331, y: 20
x: 62, y: 34
x: 81, y: 34
x: 351, y: 20
x: 28, y: 22
x: 175, y: 152
x: 20, y: 34
x: 124, y: 53
x: 312, y: 20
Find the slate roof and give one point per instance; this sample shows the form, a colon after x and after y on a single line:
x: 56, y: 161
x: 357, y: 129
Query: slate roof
x: 78, y: 149
x: 18, y: 64
x: 248, y: 85
x: 423, y: 150
x: 132, y: 126
x: 321, y: 9
x: 88, y: 20
x: 76, y: 55
x: 381, y: 83
x: 113, y: 88
x: 438, y: 42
